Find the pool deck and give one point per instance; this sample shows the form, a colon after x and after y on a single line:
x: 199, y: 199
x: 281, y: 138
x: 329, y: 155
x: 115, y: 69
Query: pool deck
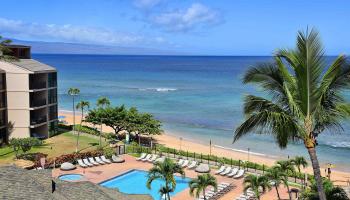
x: 101, y: 173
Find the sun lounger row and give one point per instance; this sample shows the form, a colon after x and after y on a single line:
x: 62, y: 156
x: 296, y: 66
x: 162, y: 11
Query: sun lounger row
x: 89, y: 162
x: 186, y: 163
x: 230, y: 172
x: 221, y: 190
x: 147, y: 157
x: 249, y: 194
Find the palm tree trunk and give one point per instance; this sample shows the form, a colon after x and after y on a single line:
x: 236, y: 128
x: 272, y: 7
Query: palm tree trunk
x: 81, y: 122
x: 317, y: 172
x: 76, y: 148
x: 289, y: 194
x: 204, y: 194
x: 278, y: 194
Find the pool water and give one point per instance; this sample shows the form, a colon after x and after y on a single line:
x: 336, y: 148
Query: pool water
x: 134, y: 182
x: 71, y: 177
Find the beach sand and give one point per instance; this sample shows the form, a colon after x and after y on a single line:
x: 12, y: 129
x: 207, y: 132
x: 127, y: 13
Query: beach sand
x: 169, y: 140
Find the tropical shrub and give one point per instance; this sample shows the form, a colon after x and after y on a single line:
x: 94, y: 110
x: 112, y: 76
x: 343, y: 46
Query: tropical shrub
x: 332, y: 192
x: 24, y: 144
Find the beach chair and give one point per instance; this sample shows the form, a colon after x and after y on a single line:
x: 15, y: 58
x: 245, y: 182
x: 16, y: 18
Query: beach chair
x: 185, y: 163
x: 142, y: 156
x: 98, y: 159
x: 92, y: 161
x: 153, y: 158
x: 146, y: 158
x: 104, y: 159
x: 233, y: 172
x: 180, y: 162
x: 226, y: 171
x: 222, y: 168
x: 192, y: 165
x: 86, y: 162
x: 82, y: 164
x: 239, y: 174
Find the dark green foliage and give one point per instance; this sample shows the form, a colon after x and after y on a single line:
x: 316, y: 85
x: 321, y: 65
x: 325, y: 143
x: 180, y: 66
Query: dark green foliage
x: 24, y: 144
x: 332, y: 192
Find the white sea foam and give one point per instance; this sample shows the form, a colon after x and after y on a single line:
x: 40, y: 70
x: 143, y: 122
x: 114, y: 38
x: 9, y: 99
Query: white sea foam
x: 158, y: 89
x: 341, y: 144
x: 242, y: 151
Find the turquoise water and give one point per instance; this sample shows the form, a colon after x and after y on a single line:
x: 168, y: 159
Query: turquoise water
x: 134, y: 182
x: 71, y: 177
x: 196, y: 97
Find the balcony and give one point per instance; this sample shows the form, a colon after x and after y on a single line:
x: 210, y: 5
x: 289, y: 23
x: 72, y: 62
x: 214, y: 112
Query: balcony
x: 37, y: 120
x: 37, y: 103
x: 37, y: 81
x: 38, y: 99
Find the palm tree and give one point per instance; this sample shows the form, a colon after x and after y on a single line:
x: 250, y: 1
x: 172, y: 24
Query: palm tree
x: 73, y: 92
x: 256, y: 184
x: 299, y: 161
x: 5, y: 50
x: 165, y: 171
x: 275, y: 175
x: 164, y: 192
x: 304, y: 97
x: 285, y: 166
x: 103, y: 102
x: 81, y: 105
x: 201, y: 183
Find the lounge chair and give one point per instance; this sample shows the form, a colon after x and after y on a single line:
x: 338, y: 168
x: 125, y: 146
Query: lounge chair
x: 146, y: 158
x: 104, y: 159
x: 181, y: 161
x: 92, y: 161
x: 86, y: 162
x: 153, y: 158
x: 98, y: 159
x: 222, y: 168
x: 142, y: 156
x: 226, y: 171
x: 239, y: 174
x: 233, y: 172
x: 185, y: 163
x: 192, y: 165
x: 82, y: 164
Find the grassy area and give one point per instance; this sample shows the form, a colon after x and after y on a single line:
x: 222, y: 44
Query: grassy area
x: 55, y: 146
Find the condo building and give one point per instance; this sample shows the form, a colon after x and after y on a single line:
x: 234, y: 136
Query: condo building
x: 28, y: 96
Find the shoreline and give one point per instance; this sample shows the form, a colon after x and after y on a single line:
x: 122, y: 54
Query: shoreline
x: 170, y: 140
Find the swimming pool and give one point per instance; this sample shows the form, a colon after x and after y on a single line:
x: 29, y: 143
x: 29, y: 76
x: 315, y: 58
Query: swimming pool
x: 134, y: 182
x: 71, y: 177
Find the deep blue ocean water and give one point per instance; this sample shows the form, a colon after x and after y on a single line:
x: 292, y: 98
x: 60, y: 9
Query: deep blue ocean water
x: 198, y: 98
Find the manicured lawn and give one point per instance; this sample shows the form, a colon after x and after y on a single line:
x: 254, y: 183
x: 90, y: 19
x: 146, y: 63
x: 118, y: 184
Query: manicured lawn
x: 61, y: 144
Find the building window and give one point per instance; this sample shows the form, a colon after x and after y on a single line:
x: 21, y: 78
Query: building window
x: 2, y: 99
x: 2, y: 81
x: 53, y: 112
x: 52, y: 78
x: 53, y: 128
x: 2, y: 118
x: 52, y: 96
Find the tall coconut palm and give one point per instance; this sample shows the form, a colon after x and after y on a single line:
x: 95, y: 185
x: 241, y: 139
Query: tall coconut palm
x: 275, y: 175
x: 258, y: 184
x: 299, y: 161
x: 103, y: 102
x: 200, y: 184
x: 81, y: 105
x: 73, y: 92
x: 304, y: 97
x: 165, y: 171
x: 287, y: 167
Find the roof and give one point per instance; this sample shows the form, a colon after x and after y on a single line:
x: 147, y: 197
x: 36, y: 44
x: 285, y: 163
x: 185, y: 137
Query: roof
x: 17, y: 46
x: 32, y: 65
x: 17, y: 183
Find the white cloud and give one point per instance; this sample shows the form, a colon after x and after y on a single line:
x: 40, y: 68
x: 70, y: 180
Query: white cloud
x: 69, y: 33
x: 184, y: 20
x: 146, y: 4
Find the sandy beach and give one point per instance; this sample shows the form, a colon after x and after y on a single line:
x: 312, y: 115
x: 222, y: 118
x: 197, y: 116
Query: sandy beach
x: 169, y: 140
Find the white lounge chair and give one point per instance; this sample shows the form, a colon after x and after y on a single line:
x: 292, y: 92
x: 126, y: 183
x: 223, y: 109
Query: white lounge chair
x: 82, y: 164
x: 142, y: 156
x: 192, y: 165
x: 226, y: 171
x: 233, y: 172
x: 146, y: 158
x: 181, y: 161
x: 222, y: 168
x: 98, y: 159
x: 92, y: 161
x: 239, y: 174
x: 153, y: 158
x: 86, y: 162
x: 104, y: 159
x: 185, y: 163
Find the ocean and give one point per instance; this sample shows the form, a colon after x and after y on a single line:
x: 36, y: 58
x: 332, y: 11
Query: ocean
x: 198, y: 98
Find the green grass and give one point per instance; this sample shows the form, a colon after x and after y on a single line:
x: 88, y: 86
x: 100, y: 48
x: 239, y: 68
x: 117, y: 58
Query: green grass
x: 55, y: 146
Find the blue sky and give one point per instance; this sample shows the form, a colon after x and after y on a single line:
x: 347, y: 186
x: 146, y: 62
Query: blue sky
x: 211, y: 27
